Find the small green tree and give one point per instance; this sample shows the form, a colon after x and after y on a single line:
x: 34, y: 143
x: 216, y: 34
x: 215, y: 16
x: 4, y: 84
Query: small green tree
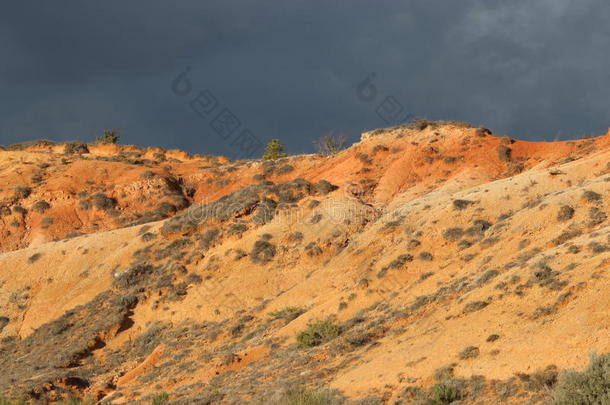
x: 274, y: 150
x: 109, y: 136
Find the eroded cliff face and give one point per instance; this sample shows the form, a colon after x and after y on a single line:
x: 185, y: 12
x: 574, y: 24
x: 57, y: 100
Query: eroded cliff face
x: 427, y: 253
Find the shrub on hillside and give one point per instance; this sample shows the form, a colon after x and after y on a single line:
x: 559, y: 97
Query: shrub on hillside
x: 461, y: 204
x: 109, y: 136
x: 596, y: 216
x: 324, y: 187
x: 160, y: 399
x: 76, y: 148
x: 305, y: 397
x: 237, y: 228
x: 317, y: 333
x: 445, y: 393
x: 364, y: 158
x: 504, y: 153
x: 295, y: 237
x: 103, y: 202
x: 540, y: 380
x: 22, y: 191
x: 41, y: 206
x: 147, y: 174
x: 592, y: 196
x: 208, y: 238
x: 165, y: 209
x: 475, y: 306
x: 83, y: 205
x: 469, y: 352
x: 488, y: 275
x: 262, y: 252
x: 34, y: 257
x: 425, y: 256
x: 453, y: 234
x: 482, y: 132
x: 565, y: 213
x: 288, y: 314
x: 420, y: 123
x: 329, y: 145
x: 18, y: 209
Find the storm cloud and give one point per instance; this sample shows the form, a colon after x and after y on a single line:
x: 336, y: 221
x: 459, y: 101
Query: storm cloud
x: 535, y: 70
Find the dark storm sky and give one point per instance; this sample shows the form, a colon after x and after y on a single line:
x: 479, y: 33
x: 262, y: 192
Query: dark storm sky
x: 535, y: 69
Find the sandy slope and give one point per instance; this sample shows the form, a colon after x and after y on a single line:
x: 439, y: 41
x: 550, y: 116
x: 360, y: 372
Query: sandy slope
x: 510, y: 266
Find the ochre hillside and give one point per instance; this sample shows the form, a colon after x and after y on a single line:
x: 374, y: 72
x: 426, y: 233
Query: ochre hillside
x: 426, y: 254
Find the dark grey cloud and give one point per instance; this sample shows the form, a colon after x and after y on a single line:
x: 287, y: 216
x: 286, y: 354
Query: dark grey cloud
x: 289, y: 70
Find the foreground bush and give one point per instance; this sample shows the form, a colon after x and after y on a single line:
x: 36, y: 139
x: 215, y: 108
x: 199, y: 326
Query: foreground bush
x: 591, y: 386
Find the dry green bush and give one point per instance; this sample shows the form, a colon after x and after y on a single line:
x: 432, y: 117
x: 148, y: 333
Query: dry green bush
x: 317, y: 333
